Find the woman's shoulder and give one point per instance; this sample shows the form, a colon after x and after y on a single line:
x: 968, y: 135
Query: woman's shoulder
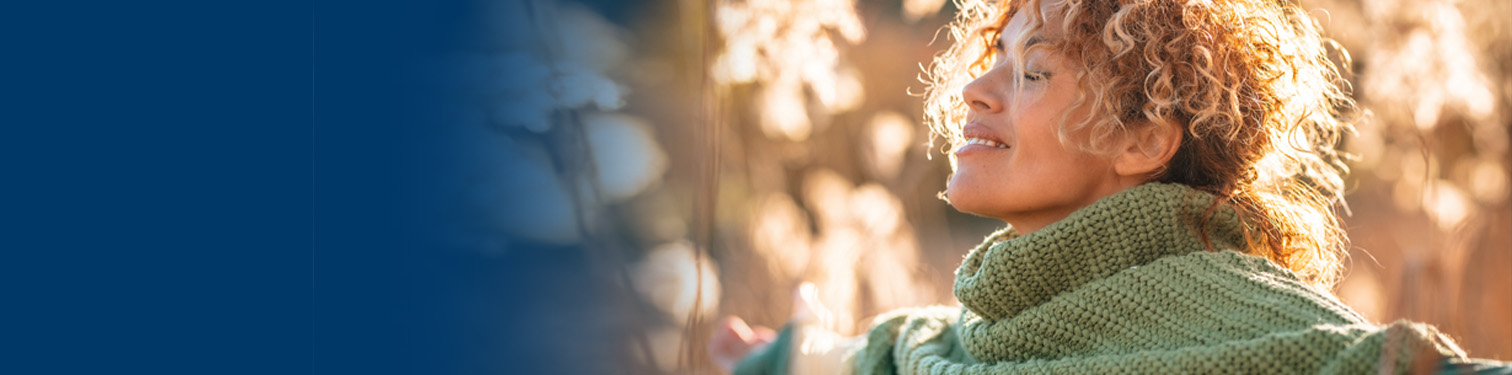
x: 1238, y: 284
x: 1234, y: 268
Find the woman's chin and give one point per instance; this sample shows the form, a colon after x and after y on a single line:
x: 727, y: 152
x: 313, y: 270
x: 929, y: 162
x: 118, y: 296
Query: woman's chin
x: 959, y: 193
x: 966, y: 202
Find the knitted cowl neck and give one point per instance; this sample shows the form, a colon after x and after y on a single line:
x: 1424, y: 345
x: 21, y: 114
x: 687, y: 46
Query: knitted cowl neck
x: 1009, y: 273
x: 1130, y: 285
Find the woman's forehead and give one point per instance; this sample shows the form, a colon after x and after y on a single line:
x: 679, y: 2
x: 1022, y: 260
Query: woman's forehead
x: 1051, y: 13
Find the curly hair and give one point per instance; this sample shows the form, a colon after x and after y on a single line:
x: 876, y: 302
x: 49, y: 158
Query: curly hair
x: 1250, y: 82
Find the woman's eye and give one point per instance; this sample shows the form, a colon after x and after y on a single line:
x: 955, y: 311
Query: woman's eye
x: 1032, y: 76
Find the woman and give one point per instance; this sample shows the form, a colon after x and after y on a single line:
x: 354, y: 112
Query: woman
x: 1168, y: 174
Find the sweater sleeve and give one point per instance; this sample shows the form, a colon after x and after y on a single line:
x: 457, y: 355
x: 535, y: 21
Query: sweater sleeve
x: 802, y: 349
x: 905, y: 332
x: 769, y: 360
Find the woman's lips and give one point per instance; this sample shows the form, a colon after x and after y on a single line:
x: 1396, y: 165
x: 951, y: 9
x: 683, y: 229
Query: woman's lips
x: 979, y: 138
x: 985, y: 142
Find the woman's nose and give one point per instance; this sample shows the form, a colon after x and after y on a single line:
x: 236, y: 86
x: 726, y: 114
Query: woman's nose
x: 982, y: 95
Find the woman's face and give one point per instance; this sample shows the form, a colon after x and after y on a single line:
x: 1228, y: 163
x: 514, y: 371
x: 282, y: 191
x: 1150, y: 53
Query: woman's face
x: 1013, y: 166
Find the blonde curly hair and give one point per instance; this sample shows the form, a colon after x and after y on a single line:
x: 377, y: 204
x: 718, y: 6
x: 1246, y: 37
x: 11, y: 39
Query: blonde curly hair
x: 1250, y: 82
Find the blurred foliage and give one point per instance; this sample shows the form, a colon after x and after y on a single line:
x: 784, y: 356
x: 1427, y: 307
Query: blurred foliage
x: 1432, y: 225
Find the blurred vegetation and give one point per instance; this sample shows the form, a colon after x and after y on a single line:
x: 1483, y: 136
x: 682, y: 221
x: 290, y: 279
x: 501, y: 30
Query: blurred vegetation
x: 713, y: 155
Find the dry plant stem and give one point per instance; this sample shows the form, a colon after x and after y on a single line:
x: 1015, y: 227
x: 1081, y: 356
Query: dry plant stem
x: 696, y: 23
x: 609, y: 257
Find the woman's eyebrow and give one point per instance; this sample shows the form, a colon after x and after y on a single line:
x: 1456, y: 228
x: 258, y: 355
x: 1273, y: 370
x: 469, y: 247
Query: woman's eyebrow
x: 1033, y: 40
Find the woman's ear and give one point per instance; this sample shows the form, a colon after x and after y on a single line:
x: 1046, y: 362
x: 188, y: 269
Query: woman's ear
x: 1148, y: 149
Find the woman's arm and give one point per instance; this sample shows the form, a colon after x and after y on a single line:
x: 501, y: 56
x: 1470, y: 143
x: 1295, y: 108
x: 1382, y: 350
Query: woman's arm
x: 804, y: 346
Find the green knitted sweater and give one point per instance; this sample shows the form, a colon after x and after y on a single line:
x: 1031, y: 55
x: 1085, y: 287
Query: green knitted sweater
x: 1126, y: 285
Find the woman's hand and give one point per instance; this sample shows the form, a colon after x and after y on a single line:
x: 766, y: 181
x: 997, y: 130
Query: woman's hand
x: 734, y: 339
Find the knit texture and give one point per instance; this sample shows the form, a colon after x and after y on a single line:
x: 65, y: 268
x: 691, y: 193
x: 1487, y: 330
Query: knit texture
x: 1128, y: 285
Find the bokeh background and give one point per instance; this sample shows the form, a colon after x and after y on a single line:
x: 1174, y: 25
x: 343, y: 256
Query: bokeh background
x: 628, y: 171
